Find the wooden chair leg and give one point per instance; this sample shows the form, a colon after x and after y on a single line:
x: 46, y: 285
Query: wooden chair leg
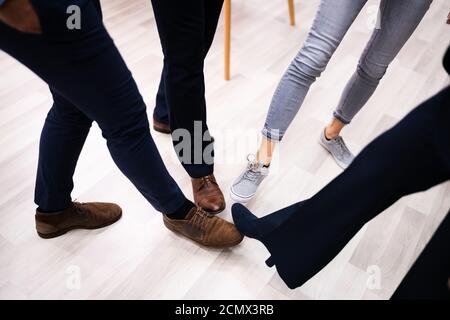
x: 227, y: 15
x: 291, y: 12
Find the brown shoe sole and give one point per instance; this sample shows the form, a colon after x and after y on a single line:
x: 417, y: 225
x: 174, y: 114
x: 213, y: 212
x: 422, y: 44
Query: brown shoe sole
x: 168, y: 226
x: 161, y: 130
x: 215, y: 212
x: 64, y: 231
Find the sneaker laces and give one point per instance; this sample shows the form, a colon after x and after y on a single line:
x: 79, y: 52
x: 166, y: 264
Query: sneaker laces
x: 342, y: 144
x: 253, y: 171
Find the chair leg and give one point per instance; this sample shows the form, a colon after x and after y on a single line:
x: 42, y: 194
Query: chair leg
x: 291, y: 12
x: 227, y: 15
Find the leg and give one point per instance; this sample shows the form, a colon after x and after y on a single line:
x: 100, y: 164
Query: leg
x: 387, y: 169
x: 332, y: 21
x: 429, y: 276
x: 291, y: 12
x: 104, y: 94
x: 62, y: 138
x: 161, y: 111
x: 329, y: 27
x: 212, y: 14
x: 399, y: 19
x: 181, y: 27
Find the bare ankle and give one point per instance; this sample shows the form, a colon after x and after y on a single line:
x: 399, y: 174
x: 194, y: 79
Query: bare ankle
x: 333, y: 129
x: 264, y: 158
x: 330, y: 134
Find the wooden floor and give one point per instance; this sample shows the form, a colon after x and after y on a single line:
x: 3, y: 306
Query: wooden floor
x: 137, y: 258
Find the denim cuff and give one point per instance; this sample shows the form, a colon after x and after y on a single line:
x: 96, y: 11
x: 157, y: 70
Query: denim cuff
x: 341, y: 118
x: 271, y: 134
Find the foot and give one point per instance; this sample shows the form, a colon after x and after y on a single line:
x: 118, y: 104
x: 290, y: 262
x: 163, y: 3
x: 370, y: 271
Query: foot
x: 338, y: 149
x: 78, y: 216
x: 258, y: 228
x: 161, y: 126
x: 246, y: 222
x: 207, y: 194
x: 245, y: 186
x: 205, y: 229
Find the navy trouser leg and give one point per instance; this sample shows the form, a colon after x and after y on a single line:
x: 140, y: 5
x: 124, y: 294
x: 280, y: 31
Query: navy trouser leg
x: 412, y: 156
x: 62, y: 138
x: 186, y: 30
x: 212, y: 14
x: 429, y: 276
x: 90, y: 81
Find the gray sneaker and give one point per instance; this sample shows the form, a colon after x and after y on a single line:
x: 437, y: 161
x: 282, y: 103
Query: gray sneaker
x: 245, y: 186
x: 338, y: 150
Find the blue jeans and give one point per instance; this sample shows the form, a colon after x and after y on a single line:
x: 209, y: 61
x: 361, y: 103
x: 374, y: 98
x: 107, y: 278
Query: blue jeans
x: 398, y: 20
x: 90, y: 82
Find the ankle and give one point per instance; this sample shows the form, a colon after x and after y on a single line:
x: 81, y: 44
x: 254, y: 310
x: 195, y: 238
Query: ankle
x: 264, y: 158
x: 330, y: 133
x: 182, y: 211
x: 49, y: 211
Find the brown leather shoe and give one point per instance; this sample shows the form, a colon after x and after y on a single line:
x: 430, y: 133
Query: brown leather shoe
x: 78, y: 216
x: 207, y: 194
x: 161, y: 127
x: 205, y: 229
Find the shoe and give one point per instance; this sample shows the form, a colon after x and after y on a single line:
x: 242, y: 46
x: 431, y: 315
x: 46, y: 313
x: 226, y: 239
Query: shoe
x: 245, y: 186
x: 258, y: 228
x: 205, y: 229
x: 207, y: 194
x: 267, y: 231
x: 338, y: 149
x: 92, y: 215
x: 161, y: 126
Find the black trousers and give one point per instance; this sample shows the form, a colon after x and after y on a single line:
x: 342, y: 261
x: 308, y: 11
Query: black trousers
x: 186, y: 30
x: 412, y: 156
x: 89, y: 82
x: 429, y: 277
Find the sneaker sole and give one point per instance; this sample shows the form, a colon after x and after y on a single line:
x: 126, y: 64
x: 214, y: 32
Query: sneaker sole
x: 240, y: 199
x: 64, y: 231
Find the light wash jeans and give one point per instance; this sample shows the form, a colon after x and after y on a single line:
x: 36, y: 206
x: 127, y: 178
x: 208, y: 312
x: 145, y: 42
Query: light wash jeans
x: 397, y: 21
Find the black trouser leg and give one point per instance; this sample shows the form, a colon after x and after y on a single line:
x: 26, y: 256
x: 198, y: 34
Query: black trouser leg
x: 412, y: 156
x: 429, y: 277
x: 62, y: 138
x: 186, y: 30
x: 90, y: 81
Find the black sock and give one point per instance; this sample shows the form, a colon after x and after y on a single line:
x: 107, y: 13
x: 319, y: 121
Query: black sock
x: 182, y: 211
x: 47, y: 211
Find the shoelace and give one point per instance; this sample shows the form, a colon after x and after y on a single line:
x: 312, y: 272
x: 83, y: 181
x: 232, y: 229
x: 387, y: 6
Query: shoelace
x: 78, y: 207
x: 199, y: 219
x: 252, y: 173
x: 207, y: 180
x: 342, y: 144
